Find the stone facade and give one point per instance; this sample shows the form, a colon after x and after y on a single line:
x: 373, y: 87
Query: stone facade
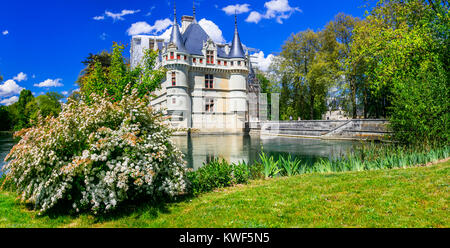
x: 331, y: 129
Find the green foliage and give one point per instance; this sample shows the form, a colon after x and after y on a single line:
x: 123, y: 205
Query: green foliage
x: 22, y: 110
x: 110, y: 73
x: 404, y: 47
x: 270, y: 167
x: 5, y: 124
x: 288, y: 166
x: 365, y: 157
x: 25, y: 112
x: 217, y: 174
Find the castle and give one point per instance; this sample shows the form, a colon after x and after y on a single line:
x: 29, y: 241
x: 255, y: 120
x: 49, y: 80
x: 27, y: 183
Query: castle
x: 209, y: 87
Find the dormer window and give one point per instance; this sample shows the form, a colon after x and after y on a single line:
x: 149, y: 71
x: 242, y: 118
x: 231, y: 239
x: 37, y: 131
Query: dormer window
x: 209, y: 57
x: 171, y: 55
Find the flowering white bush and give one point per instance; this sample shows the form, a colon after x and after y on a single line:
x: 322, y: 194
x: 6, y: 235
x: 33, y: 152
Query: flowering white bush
x: 96, y: 156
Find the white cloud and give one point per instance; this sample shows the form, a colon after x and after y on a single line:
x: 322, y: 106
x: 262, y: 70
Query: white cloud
x: 145, y: 28
x: 212, y: 30
x: 276, y: 9
x: 98, y: 18
x: 9, y: 101
x: 116, y: 16
x: 50, y: 83
x: 254, y: 17
x: 5, y: 32
x: 261, y: 62
x: 164, y: 26
x: 119, y: 16
x: 9, y: 88
x: 65, y: 93
x: 238, y: 9
x: 20, y: 77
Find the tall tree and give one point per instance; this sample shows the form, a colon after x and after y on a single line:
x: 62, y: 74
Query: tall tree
x: 342, y: 29
x: 307, y: 66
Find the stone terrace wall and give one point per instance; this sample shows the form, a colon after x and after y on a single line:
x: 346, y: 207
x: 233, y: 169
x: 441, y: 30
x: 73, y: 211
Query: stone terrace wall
x: 345, y: 129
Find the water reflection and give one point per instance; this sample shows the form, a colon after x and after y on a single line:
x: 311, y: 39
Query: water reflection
x: 235, y: 148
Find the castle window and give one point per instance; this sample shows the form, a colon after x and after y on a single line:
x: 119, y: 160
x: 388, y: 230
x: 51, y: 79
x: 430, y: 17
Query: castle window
x: 174, y: 78
x: 171, y: 55
x: 185, y: 57
x: 194, y: 60
x: 232, y: 63
x: 225, y: 63
x: 209, y: 80
x: 210, y: 57
x: 137, y: 41
x: 201, y: 61
x: 239, y: 63
x: 219, y: 62
x: 174, y: 100
x: 178, y: 57
x: 209, y: 105
x: 151, y: 44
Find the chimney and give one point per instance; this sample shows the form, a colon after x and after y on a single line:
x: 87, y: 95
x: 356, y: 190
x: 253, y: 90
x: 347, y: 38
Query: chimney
x: 185, y: 22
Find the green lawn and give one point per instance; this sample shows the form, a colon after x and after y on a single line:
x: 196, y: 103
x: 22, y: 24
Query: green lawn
x: 414, y: 197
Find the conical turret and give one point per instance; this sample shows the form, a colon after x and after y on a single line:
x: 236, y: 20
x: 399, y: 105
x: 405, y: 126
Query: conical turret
x: 176, y: 37
x: 236, y: 46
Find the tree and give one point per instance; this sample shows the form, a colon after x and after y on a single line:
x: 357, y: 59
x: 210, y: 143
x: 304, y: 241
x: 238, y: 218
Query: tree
x: 307, y: 65
x: 5, y: 124
x: 404, y: 45
x: 112, y: 78
x: 342, y: 29
x: 20, y: 114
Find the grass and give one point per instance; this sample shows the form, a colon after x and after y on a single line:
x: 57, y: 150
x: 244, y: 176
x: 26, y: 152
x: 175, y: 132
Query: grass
x: 411, y: 197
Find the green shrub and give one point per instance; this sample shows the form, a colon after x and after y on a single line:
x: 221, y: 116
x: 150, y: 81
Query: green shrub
x: 94, y: 157
x: 217, y: 174
x: 241, y: 173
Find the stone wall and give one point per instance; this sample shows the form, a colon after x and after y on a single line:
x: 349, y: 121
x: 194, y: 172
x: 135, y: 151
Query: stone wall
x: 332, y: 129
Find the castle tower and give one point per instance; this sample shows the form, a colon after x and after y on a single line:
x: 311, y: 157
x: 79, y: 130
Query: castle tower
x: 178, y: 99
x: 238, y: 80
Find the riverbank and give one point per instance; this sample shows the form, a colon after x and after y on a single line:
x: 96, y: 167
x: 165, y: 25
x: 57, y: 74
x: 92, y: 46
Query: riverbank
x: 412, y: 197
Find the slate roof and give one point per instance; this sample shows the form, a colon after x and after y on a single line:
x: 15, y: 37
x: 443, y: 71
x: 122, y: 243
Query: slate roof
x: 191, y: 41
x: 177, y: 38
x: 194, y: 36
x: 236, y: 46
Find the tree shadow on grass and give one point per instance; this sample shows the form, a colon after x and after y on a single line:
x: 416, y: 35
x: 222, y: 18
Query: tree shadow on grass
x: 137, y: 208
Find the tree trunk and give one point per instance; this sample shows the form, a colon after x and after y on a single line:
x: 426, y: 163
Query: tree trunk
x: 312, y: 106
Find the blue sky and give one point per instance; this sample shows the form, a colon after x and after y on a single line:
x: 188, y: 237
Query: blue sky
x: 42, y: 43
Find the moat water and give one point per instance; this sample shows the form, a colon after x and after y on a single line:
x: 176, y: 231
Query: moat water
x: 234, y: 148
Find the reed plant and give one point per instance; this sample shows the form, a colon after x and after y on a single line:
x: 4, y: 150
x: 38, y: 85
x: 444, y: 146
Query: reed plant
x: 362, y: 158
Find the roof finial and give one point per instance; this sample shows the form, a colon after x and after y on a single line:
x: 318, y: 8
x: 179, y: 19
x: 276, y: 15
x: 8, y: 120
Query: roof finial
x: 235, y: 19
x: 193, y: 7
x: 174, y: 10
